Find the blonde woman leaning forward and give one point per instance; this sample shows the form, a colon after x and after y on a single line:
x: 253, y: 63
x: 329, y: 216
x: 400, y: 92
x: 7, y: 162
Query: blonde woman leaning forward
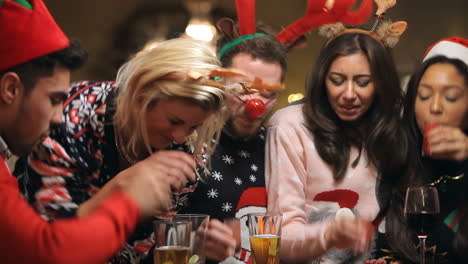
x: 156, y: 107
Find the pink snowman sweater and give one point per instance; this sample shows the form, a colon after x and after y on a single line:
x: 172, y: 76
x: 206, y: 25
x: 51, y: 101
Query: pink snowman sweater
x: 300, y: 184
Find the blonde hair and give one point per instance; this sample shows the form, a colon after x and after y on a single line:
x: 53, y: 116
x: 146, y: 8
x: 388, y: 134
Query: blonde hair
x: 161, y: 73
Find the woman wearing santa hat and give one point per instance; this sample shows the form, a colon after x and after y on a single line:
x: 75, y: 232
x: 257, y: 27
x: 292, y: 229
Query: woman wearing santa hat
x: 436, y: 115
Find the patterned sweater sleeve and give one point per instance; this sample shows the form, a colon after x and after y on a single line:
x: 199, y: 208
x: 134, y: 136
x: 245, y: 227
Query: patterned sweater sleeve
x: 27, y: 238
x: 287, y: 178
x: 66, y: 168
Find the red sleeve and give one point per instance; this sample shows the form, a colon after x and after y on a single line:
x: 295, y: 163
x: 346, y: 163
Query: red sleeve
x: 27, y: 238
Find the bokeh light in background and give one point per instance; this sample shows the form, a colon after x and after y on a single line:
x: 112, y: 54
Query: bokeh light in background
x: 200, y: 26
x: 200, y: 30
x: 295, y: 97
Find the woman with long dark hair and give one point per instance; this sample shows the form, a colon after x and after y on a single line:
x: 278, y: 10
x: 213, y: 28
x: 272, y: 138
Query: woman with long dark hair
x: 332, y: 151
x: 437, y: 94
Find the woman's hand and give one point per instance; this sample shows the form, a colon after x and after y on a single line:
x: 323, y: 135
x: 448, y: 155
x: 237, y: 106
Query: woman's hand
x: 220, y: 241
x: 448, y: 143
x: 149, y: 182
x: 351, y: 233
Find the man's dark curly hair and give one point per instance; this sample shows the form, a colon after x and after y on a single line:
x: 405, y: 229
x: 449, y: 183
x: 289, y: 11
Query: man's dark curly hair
x: 266, y: 48
x: 70, y: 58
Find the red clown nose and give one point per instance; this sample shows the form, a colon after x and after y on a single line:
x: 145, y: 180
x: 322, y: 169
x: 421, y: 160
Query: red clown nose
x: 255, y: 108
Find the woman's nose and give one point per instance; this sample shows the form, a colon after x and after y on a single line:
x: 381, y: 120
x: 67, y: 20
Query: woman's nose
x: 436, y: 106
x: 180, y: 135
x: 349, y: 93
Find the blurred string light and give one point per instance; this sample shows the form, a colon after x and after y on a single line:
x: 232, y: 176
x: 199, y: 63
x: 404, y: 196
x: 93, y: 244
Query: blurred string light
x: 200, y: 30
x: 200, y: 26
x: 295, y: 97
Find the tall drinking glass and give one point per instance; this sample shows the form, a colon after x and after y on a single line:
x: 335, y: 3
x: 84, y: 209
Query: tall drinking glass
x: 198, y: 231
x: 172, y: 241
x: 265, y: 237
x: 421, y: 210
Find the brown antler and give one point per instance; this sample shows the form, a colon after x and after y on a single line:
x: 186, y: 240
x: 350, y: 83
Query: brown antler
x: 228, y: 28
x: 331, y: 30
x: 384, y: 5
x: 390, y: 33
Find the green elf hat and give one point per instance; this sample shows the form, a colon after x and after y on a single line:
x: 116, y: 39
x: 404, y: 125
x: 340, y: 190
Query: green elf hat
x: 27, y: 31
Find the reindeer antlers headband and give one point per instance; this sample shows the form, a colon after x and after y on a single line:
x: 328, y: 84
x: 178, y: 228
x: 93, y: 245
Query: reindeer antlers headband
x: 319, y: 12
x: 387, y: 34
x: 258, y: 85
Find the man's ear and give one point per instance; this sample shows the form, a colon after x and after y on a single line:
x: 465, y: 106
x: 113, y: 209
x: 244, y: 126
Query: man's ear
x: 11, y: 87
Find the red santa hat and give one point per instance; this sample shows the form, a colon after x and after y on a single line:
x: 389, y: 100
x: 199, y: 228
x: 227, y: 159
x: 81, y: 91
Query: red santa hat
x: 27, y: 31
x: 454, y: 47
x: 254, y: 196
x: 344, y: 197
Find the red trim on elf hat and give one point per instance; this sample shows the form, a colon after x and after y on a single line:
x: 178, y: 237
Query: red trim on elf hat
x: 454, y: 47
x: 27, y: 34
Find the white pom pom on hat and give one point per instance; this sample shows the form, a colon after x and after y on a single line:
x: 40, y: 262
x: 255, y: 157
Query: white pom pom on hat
x: 454, y: 47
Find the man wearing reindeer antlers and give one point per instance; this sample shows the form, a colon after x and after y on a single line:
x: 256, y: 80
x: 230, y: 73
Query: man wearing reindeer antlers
x: 237, y: 166
x: 236, y: 183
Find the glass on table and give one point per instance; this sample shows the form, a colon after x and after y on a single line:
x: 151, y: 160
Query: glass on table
x: 172, y: 241
x: 421, y: 210
x: 265, y: 237
x: 198, y: 231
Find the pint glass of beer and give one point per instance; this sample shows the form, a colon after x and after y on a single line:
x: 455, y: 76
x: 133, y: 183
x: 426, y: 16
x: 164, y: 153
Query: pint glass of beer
x: 200, y: 224
x: 172, y: 241
x: 265, y: 237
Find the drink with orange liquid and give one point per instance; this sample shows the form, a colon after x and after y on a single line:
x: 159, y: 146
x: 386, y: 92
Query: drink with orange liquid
x: 265, y: 248
x: 265, y: 237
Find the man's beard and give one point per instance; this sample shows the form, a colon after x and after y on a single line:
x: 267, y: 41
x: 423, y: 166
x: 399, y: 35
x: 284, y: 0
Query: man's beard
x: 231, y: 129
x: 23, y: 150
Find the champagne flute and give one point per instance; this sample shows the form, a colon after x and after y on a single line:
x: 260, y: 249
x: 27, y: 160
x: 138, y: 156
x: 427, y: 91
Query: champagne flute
x: 265, y: 237
x: 421, y: 210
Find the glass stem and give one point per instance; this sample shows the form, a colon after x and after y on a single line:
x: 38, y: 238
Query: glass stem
x: 422, y: 247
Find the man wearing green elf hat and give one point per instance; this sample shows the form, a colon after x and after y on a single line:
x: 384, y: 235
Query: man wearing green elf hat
x: 35, y: 63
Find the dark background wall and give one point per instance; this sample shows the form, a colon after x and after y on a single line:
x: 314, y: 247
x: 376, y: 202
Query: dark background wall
x: 111, y: 30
